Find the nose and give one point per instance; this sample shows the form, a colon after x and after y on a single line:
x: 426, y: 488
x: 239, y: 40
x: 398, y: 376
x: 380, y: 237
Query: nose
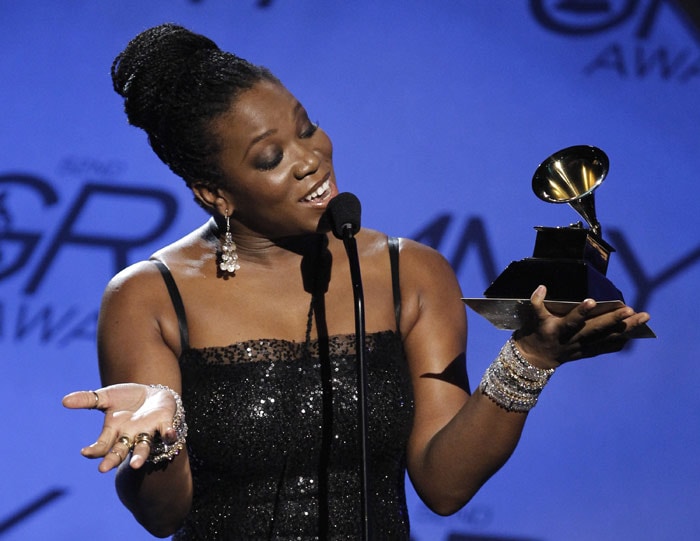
x: 307, y: 163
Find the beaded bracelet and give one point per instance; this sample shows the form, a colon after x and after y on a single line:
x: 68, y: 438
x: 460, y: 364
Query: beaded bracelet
x: 512, y: 382
x: 160, y: 450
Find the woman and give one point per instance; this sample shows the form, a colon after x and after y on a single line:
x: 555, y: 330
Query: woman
x: 250, y: 318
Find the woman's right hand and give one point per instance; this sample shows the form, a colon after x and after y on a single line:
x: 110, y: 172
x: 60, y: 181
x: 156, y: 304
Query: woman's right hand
x: 132, y: 411
x: 548, y: 340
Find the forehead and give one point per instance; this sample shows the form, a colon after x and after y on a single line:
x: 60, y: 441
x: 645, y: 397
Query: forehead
x: 264, y: 107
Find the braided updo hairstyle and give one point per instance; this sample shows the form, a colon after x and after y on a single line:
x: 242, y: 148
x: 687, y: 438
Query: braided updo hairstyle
x: 174, y: 83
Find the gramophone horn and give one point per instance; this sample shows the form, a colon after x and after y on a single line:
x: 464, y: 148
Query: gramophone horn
x: 570, y: 176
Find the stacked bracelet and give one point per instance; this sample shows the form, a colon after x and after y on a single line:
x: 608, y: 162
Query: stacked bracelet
x: 160, y: 450
x: 512, y: 382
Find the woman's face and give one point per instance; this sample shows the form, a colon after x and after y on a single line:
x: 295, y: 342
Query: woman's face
x: 278, y: 164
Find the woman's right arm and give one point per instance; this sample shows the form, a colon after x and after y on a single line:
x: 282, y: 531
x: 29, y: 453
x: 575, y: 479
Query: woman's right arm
x: 138, y: 342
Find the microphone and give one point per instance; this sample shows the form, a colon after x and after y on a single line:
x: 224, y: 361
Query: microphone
x: 344, y: 215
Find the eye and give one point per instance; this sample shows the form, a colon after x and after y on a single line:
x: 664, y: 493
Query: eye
x: 309, y: 130
x: 265, y: 163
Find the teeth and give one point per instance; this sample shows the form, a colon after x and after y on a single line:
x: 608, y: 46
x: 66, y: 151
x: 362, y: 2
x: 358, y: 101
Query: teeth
x: 318, y: 191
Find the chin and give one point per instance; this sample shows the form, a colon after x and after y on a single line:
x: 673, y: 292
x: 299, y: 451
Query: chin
x: 324, y: 224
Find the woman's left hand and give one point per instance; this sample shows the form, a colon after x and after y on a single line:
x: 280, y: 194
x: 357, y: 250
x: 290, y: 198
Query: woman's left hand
x: 550, y: 340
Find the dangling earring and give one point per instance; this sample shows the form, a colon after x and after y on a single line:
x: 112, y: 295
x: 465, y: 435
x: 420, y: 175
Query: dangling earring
x: 229, y: 257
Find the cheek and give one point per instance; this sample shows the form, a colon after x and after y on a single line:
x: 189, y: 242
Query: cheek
x: 262, y: 192
x: 326, y: 145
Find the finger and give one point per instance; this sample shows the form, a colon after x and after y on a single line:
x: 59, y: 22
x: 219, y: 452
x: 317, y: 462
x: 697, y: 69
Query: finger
x: 575, y: 321
x: 636, y: 319
x: 102, y: 445
x: 142, y: 449
x: 167, y: 433
x: 82, y: 400
x: 113, y: 458
x: 608, y: 344
x: 633, y: 325
x: 537, y: 301
x: 608, y: 324
x: 121, y: 395
x: 579, y: 314
x: 117, y: 454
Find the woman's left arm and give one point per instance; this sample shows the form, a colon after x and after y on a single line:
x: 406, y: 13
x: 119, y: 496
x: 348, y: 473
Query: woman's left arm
x: 459, y: 440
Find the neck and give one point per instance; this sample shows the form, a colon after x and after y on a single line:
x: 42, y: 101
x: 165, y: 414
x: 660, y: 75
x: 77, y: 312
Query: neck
x: 258, y: 249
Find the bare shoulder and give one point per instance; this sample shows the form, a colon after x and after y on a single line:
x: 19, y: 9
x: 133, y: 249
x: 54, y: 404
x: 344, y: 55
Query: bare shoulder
x: 412, y: 248
x: 137, y: 280
x: 371, y: 242
x: 422, y: 265
x: 196, y: 247
x: 430, y: 292
x: 144, y: 279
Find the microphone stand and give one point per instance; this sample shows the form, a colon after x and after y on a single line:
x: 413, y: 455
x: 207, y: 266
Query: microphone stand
x: 351, y: 249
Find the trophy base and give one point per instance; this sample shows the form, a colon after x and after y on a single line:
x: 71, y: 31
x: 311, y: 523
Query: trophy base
x: 565, y: 279
x: 512, y: 314
x: 571, y: 262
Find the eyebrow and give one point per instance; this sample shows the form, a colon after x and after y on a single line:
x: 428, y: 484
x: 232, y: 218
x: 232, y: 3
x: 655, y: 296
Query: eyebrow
x: 257, y: 140
x: 298, y: 107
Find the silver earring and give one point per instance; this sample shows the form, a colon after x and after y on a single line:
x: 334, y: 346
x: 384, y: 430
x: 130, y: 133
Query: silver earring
x: 229, y: 256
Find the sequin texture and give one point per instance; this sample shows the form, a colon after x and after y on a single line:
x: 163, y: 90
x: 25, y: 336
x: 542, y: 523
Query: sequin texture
x: 274, y: 442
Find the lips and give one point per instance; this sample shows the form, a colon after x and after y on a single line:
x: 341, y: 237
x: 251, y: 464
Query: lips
x: 319, y: 193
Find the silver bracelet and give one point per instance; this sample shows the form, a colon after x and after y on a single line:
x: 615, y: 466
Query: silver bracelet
x: 512, y: 382
x: 160, y: 450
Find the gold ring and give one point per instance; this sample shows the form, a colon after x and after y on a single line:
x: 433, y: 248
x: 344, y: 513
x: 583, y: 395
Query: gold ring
x: 97, y: 401
x: 126, y: 441
x: 117, y: 453
x: 144, y: 437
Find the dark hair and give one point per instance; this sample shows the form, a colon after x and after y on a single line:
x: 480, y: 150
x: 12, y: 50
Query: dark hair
x: 174, y: 83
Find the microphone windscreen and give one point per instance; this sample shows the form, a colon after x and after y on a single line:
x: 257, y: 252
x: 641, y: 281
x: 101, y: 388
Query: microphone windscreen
x: 344, y: 212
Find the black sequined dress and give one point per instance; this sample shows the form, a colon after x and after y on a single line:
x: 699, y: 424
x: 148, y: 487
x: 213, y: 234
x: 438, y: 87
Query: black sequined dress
x: 274, y: 444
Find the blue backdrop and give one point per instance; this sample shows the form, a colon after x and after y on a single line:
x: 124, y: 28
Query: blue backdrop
x: 440, y: 112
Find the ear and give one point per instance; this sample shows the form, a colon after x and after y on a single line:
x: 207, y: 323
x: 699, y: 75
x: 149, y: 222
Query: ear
x: 213, y: 199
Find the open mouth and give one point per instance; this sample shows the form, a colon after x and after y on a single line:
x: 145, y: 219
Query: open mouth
x: 319, y: 193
